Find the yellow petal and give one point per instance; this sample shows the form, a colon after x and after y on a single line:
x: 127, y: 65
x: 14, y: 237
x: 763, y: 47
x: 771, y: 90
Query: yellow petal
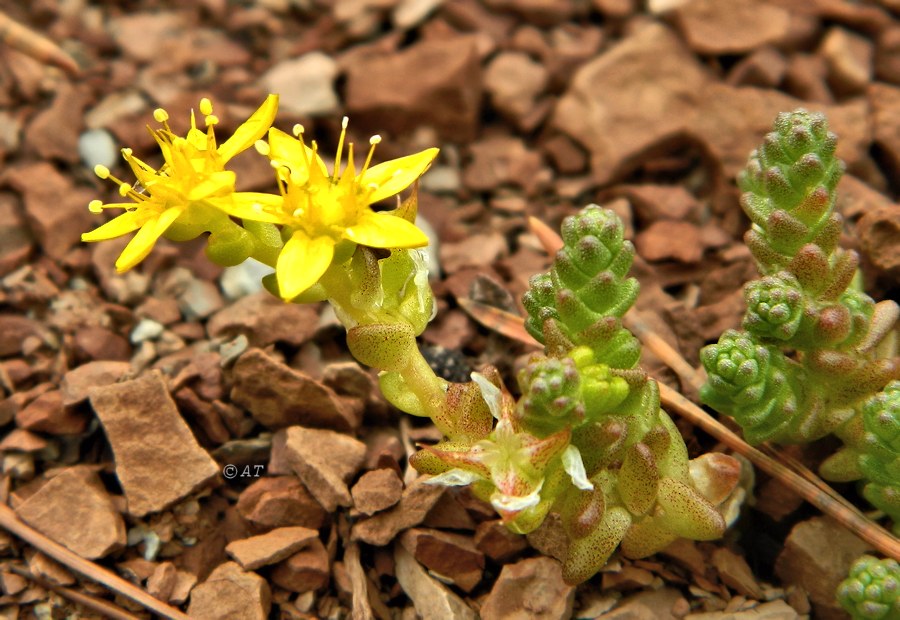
x: 393, y: 176
x: 121, y: 225
x: 255, y: 206
x: 251, y: 130
x: 302, y: 262
x: 287, y: 149
x: 380, y: 230
x: 139, y: 247
x: 212, y: 184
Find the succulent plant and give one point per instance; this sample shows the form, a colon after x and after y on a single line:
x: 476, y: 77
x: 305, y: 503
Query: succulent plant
x: 872, y: 590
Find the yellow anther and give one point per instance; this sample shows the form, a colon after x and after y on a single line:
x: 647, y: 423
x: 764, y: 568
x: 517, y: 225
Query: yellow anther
x: 298, y: 130
x: 160, y: 115
x: 206, y: 107
x: 101, y: 171
x: 124, y: 188
x: 376, y: 139
x: 127, y: 152
x: 262, y: 147
x: 211, y: 119
x: 95, y: 206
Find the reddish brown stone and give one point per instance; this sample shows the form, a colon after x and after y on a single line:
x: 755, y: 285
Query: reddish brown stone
x: 278, y: 396
x: 265, y: 320
x: 497, y: 542
x: 325, y: 461
x: 280, y: 502
x: 450, y: 555
x: 158, y: 460
x: 445, y: 94
x: 231, y: 593
x: 74, y: 509
x: 713, y: 27
x: 77, y: 383
x: 257, y: 551
x: 669, y: 239
x: 56, y: 210
x: 48, y: 414
x: 377, y: 490
x: 99, y: 343
x: 418, y: 498
x: 535, y: 584
x: 305, y: 570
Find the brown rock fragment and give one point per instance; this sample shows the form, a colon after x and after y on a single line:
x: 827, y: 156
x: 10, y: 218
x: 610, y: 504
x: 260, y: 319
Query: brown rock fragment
x: 735, y: 573
x: 278, y: 396
x: 497, y: 542
x: 98, y: 343
x: 478, y: 250
x: 450, y: 555
x: 418, y: 498
x: 514, y: 82
x: 231, y: 593
x: 849, y: 58
x: 304, y: 571
x: 48, y: 414
x: 765, y: 67
x: 437, y: 83
x: 74, y: 509
x: 879, y: 235
x: 504, y: 160
x: 264, y: 319
x: 15, y: 235
x: 256, y: 551
x: 162, y: 581
x: 376, y: 490
x: 77, y: 383
x: 732, y: 27
x: 670, y: 239
x: 14, y: 330
x: 535, y: 585
x: 325, y: 461
x: 650, y: 71
x: 280, y: 501
x: 885, y: 102
x: 433, y: 600
x: 819, y: 568
x: 55, y: 209
x: 158, y: 460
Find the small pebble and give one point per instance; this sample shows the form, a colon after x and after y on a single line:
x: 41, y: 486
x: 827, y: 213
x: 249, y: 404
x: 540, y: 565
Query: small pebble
x: 97, y: 146
x: 244, y: 279
x: 147, y: 329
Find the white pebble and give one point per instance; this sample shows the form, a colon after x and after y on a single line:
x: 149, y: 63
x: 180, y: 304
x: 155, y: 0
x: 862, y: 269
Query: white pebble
x: 97, y: 146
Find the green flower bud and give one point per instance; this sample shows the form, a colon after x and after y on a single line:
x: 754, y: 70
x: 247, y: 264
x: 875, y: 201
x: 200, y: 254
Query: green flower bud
x: 775, y: 306
x: 551, y: 395
x: 872, y: 589
x: 751, y: 383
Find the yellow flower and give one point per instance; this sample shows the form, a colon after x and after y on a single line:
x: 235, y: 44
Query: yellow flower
x: 320, y: 210
x: 192, y: 181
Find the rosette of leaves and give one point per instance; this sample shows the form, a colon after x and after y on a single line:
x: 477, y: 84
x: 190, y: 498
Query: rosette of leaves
x: 788, y: 187
x: 810, y: 355
x: 872, y: 590
x: 639, y: 491
x: 879, y: 458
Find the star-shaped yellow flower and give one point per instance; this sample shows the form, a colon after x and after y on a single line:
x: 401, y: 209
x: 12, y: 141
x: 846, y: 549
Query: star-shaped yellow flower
x: 192, y: 181
x: 320, y: 210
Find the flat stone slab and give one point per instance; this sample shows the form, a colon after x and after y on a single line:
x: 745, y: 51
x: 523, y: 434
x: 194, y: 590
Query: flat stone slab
x: 158, y: 460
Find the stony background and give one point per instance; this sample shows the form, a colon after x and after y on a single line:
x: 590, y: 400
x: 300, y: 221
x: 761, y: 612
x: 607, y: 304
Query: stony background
x: 123, y: 397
